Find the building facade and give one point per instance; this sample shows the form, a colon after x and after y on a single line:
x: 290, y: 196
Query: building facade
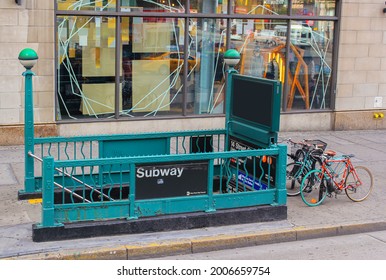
x: 129, y: 66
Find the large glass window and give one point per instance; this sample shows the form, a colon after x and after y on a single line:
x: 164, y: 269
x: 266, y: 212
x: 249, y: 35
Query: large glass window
x: 116, y: 59
x: 310, y: 65
x: 86, y: 67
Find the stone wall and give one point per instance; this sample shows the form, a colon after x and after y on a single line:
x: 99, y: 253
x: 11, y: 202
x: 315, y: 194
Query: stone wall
x: 361, y: 64
x: 29, y: 25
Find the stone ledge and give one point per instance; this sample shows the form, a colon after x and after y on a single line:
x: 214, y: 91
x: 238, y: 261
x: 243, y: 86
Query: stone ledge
x: 14, y: 135
x: 359, y: 120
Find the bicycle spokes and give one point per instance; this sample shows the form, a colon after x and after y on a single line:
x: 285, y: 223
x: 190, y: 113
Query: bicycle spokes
x: 359, y: 183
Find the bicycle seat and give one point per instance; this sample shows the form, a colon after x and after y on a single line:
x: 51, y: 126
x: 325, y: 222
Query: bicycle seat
x: 330, y: 153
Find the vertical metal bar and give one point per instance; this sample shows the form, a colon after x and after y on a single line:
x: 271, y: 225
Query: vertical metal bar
x: 120, y: 181
x: 254, y: 171
x: 211, y: 203
x: 132, y: 214
x: 177, y: 152
x: 237, y: 175
x: 287, y: 69
x: 186, y: 60
x: 185, y: 68
x: 281, y: 193
x: 222, y: 164
x: 228, y: 43
x: 269, y: 164
x: 48, y: 214
x: 118, y: 70
x: 117, y: 64
x: 63, y: 184
x: 229, y: 84
x: 58, y: 116
x: 335, y: 55
x: 83, y: 184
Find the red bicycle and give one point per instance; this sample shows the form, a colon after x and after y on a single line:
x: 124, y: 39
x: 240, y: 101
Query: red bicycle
x: 337, y: 174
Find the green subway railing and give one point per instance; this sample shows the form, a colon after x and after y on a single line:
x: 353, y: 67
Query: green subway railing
x: 106, y: 188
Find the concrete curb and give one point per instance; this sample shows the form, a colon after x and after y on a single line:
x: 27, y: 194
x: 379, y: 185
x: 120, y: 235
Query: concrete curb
x: 206, y: 244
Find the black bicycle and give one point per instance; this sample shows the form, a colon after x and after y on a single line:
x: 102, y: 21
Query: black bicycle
x: 303, y: 157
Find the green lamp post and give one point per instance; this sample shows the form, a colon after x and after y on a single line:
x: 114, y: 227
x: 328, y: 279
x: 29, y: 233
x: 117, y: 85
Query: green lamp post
x: 28, y: 58
x: 231, y: 58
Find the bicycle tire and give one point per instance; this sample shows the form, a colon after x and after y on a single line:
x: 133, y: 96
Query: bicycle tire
x: 313, y: 189
x: 357, y: 192
x: 294, y: 177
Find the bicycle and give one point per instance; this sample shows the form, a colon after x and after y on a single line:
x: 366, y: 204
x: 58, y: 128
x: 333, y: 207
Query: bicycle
x: 336, y: 174
x: 305, y: 156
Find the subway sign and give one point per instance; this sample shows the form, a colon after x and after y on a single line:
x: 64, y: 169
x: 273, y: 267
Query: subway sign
x: 171, y: 180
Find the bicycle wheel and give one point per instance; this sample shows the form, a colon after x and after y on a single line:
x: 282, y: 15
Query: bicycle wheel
x: 294, y: 176
x: 313, y: 189
x: 359, y: 184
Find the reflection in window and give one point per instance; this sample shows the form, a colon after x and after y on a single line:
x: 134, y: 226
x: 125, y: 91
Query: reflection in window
x: 86, y: 67
x: 262, y: 45
x: 310, y: 65
x: 261, y: 7
x: 152, y: 66
x: 262, y: 50
x: 205, y: 88
x: 313, y: 7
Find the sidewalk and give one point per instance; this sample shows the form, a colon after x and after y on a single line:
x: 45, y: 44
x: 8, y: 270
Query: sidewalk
x: 333, y: 217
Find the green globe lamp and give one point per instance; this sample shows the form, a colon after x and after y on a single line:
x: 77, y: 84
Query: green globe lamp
x: 28, y: 58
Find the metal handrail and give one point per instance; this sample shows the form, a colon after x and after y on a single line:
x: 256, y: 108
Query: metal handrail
x: 73, y: 178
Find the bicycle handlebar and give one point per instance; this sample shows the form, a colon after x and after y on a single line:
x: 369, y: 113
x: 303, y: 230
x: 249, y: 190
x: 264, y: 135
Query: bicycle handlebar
x: 289, y: 140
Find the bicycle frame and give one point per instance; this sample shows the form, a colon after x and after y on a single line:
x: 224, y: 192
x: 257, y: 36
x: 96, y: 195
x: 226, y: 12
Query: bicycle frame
x: 328, y: 170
